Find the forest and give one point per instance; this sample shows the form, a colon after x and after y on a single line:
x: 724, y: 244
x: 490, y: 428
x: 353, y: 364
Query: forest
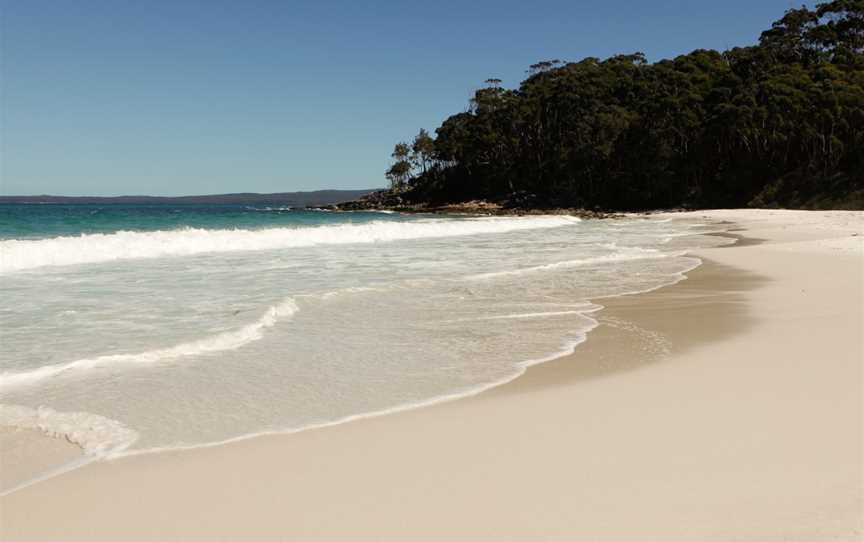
x: 776, y: 124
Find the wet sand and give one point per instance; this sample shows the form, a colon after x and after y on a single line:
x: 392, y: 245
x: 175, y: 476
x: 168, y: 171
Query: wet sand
x: 27, y: 453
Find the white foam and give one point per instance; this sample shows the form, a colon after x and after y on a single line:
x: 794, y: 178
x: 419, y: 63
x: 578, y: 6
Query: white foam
x: 228, y: 340
x: 531, y: 315
x: 98, y: 437
x: 628, y: 254
x: 16, y: 255
x: 269, y: 209
x: 95, y: 435
x: 349, y: 290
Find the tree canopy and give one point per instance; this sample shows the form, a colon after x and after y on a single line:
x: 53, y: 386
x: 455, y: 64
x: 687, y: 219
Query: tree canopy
x: 777, y: 123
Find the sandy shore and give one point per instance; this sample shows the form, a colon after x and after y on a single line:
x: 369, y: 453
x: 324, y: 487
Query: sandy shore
x: 25, y: 454
x: 727, y: 407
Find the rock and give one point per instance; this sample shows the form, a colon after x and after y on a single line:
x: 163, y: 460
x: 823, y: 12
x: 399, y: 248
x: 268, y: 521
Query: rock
x: 519, y: 204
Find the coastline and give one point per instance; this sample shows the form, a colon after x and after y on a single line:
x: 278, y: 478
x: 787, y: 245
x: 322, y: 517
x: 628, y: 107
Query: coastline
x: 569, y: 447
x: 35, y: 456
x: 50, y: 452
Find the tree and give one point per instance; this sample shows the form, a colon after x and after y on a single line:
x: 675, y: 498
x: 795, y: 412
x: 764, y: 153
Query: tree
x: 778, y: 123
x: 400, y: 172
x: 423, y: 150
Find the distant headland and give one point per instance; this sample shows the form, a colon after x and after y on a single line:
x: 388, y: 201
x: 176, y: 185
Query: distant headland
x: 776, y: 124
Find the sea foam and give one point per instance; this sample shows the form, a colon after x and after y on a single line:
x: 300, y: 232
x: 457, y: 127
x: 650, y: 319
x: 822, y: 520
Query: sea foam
x: 17, y: 255
x: 95, y: 435
x: 228, y: 340
x: 622, y: 255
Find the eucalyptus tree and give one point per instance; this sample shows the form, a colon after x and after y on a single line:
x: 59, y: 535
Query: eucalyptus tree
x: 780, y: 122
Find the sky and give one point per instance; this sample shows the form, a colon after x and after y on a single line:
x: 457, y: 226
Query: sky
x: 179, y: 97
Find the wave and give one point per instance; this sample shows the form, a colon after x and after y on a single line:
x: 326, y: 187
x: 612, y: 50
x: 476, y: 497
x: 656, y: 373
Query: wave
x: 227, y: 340
x: 536, y: 314
x: 269, y: 209
x: 17, y: 255
x: 628, y: 254
x: 95, y: 435
x: 566, y: 347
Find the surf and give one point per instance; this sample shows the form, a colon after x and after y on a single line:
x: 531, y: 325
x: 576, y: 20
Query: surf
x: 19, y: 255
x: 228, y: 340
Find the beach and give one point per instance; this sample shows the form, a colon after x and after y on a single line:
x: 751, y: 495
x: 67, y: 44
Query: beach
x: 725, y: 407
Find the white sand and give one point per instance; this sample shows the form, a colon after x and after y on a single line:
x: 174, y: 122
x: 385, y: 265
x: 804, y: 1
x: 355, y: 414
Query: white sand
x: 26, y: 454
x: 745, y: 425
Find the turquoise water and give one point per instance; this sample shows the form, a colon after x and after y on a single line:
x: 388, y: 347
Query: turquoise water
x: 31, y: 221
x: 138, y: 328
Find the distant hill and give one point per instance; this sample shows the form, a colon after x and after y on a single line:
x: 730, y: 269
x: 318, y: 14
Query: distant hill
x: 315, y: 198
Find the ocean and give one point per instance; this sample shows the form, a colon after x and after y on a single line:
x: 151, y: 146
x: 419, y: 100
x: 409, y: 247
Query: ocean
x: 137, y: 328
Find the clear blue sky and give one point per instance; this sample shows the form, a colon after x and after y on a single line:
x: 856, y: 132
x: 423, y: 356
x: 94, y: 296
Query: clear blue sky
x: 172, y: 97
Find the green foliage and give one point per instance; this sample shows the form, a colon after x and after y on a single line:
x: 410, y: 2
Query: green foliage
x: 780, y: 123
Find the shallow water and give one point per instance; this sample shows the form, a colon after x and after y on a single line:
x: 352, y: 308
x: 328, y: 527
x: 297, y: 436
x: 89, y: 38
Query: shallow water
x: 179, y: 327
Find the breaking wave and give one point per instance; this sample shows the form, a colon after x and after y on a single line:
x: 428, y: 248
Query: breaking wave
x: 17, y: 255
x: 95, y: 435
x: 227, y: 340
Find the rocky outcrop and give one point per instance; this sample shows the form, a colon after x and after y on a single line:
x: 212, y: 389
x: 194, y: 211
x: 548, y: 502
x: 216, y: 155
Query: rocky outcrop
x: 386, y: 200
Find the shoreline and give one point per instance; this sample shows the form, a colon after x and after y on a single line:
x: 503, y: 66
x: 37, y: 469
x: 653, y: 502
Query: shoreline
x: 608, y: 360
x: 621, y: 345
x: 36, y: 455
x: 40, y: 468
